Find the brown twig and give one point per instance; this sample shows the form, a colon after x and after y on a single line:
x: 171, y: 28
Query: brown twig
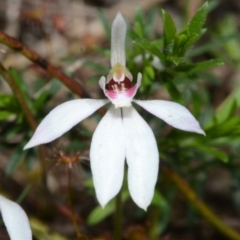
x: 202, y: 207
x: 27, y: 113
x: 20, y: 98
x: 43, y: 63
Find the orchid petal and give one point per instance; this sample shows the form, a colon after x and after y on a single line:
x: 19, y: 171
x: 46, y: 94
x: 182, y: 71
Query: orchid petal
x: 62, y: 118
x: 107, y: 155
x: 15, y: 220
x: 118, y: 41
x: 172, y: 113
x: 142, y: 157
x: 102, y: 83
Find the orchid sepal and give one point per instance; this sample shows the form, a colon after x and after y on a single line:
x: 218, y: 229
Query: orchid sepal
x: 118, y: 35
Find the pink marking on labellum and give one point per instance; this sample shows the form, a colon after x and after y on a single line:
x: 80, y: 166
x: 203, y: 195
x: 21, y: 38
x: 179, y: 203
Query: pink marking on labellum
x: 122, y: 86
x: 117, y: 93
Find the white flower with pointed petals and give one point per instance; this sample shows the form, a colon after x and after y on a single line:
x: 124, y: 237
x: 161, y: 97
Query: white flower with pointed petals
x: 122, y: 133
x: 15, y: 220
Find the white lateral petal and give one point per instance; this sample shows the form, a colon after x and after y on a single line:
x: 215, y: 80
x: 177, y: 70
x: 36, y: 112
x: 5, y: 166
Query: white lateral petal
x: 62, y: 118
x: 15, y: 220
x: 118, y: 41
x: 107, y: 155
x: 142, y: 157
x: 172, y: 113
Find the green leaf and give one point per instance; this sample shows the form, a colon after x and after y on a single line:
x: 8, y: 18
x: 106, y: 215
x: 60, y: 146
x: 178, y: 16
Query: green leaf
x: 149, y: 23
x: 15, y: 160
x: 46, y: 95
x: 191, y: 40
x: 229, y: 127
x: 192, y: 33
x: 183, y: 42
x: 102, y: 51
x: 161, y: 202
x: 24, y: 193
x: 158, y: 200
x: 148, y: 77
x: 169, y: 32
x: 152, y: 48
x: 138, y: 29
x: 139, y: 23
x: 41, y: 231
x: 99, y: 213
x: 17, y: 77
x: 215, y: 43
x: 105, y: 23
x: 5, y: 114
x: 173, y: 91
x: 88, y: 183
x: 132, y: 35
x: 8, y: 102
x: 175, y: 60
x: 226, y: 109
x: 158, y: 42
x: 97, y: 67
x: 180, y: 41
x: 214, y: 152
x: 196, y: 23
x: 228, y: 26
x: 200, y: 66
x: 207, y: 64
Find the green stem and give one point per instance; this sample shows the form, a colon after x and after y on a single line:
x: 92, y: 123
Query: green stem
x: 118, y: 217
x: 153, y: 231
x: 202, y: 207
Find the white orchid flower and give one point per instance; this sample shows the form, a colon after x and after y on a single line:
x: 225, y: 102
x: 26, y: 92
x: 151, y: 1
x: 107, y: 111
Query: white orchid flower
x: 122, y: 133
x: 15, y: 220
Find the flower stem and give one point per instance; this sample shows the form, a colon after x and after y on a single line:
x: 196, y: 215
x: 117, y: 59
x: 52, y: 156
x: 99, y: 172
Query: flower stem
x: 43, y: 63
x: 202, y: 207
x: 153, y: 230
x: 118, y: 217
x: 74, y: 221
x: 27, y: 113
x: 80, y: 236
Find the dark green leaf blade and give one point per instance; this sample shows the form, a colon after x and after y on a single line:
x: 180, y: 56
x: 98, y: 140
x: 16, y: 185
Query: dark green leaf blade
x: 207, y: 64
x: 152, y: 48
x: 217, y: 153
x: 196, y: 23
x: 169, y: 32
x: 98, y: 214
x: 139, y: 23
x: 15, y: 160
x: 105, y: 23
x: 173, y: 91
